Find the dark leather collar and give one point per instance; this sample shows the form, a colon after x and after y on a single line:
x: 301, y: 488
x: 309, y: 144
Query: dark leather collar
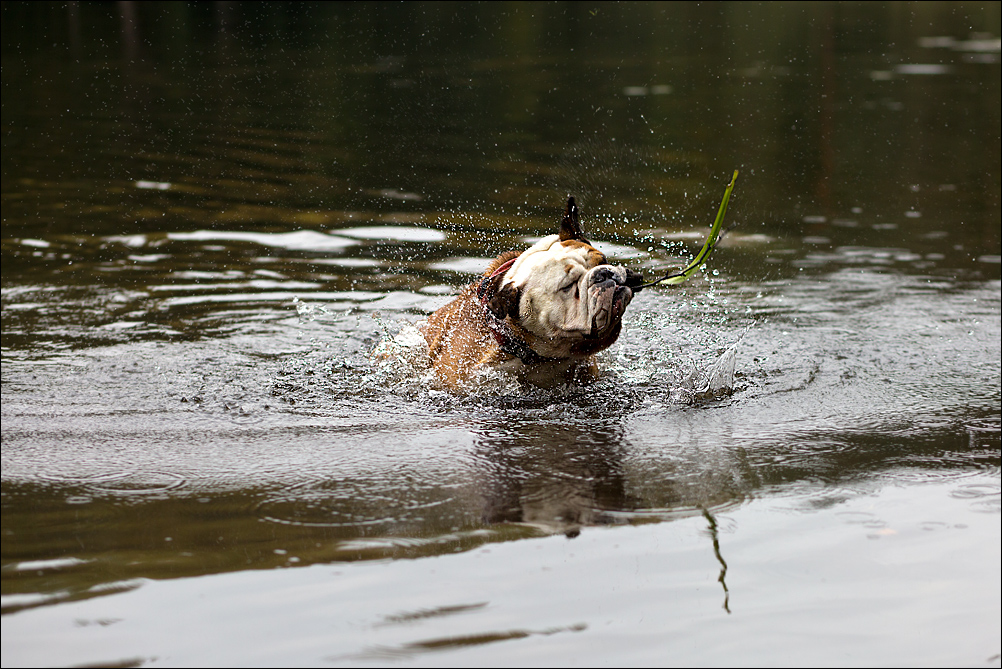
x: 505, y: 336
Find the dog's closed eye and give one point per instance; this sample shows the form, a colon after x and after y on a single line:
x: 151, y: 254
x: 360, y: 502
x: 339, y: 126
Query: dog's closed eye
x: 568, y: 287
x: 572, y: 276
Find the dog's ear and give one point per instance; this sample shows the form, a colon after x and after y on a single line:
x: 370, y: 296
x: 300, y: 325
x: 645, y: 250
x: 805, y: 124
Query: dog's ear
x: 503, y: 300
x: 570, y: 227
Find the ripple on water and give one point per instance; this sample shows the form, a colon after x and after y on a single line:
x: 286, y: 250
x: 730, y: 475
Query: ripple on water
x: 394, y: 233
x: 123, y: 483
x: 984, y: 497
x: 864, y: 518
x: 320, y: 511
x: 306, y: 240
x: 359, y: 504
x: 55, y: 564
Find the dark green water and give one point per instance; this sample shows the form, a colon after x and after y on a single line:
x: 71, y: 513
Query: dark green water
x: 212, y: 214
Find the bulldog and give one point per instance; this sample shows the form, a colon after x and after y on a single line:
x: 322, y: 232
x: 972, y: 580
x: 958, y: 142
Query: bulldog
x: 541, y: 314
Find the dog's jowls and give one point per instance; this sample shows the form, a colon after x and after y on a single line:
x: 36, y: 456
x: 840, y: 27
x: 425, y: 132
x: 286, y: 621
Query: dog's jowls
x: 541, y: 313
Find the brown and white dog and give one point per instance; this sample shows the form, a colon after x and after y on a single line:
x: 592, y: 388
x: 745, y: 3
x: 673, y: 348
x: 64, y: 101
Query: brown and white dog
x: 541, y: 314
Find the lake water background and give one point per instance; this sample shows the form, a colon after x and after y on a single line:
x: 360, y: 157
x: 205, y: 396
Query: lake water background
x: 213, y: 213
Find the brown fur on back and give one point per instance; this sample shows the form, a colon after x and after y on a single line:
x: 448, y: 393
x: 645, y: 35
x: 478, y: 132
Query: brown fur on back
x: 457, y: 334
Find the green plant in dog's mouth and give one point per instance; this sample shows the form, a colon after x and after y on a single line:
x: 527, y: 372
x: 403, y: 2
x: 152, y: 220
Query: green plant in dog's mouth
x: 700, y: 259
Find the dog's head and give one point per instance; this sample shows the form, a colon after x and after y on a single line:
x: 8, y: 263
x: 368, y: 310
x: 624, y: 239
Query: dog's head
x: 561, y: 295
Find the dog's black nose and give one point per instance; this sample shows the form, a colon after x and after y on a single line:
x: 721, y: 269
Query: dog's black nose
x: 603, y: 274
x: 634, y: 280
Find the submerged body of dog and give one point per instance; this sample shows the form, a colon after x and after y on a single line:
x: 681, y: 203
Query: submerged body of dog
x: 541, y: 314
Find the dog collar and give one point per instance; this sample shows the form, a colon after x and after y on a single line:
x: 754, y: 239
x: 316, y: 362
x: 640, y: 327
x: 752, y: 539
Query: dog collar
x: 502, y: 332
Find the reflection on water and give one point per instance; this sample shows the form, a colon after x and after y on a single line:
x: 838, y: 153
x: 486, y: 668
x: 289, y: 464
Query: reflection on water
x: 213, y: 214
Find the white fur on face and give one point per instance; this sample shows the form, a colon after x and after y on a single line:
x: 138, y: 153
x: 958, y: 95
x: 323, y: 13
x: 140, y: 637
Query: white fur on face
x: 559, y: 304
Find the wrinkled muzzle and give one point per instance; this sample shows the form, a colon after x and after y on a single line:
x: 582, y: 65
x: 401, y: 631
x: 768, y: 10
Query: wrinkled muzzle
x: 610, y: 292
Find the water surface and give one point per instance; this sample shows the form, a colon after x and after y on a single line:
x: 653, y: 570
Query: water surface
x: 211, y: 217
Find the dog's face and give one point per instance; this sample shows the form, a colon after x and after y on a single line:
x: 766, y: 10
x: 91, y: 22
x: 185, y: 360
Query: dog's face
x: 564, y: 295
